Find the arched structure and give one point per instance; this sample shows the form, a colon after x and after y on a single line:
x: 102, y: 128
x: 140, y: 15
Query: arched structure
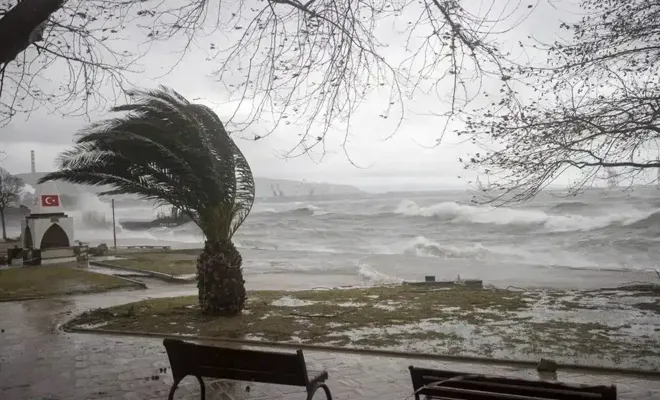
x: 54, y: 237
x: 47, y: 231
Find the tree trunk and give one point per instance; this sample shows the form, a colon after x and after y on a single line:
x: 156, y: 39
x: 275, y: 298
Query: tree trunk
x: 220, y: 279
x: 17, y: 25
x: 4, y: 228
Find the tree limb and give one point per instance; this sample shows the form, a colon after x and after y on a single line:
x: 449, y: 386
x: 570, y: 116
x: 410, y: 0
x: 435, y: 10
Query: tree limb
x: 19, y: 23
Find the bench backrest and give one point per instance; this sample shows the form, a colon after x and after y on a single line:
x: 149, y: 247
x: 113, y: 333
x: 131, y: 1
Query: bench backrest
x: 482, y: 387
x: 236, y: 364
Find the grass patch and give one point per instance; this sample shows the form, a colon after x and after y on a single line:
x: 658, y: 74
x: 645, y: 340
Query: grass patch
x: 171, y: 262
x: 54, y: 280
x: 310, y: 316
x: 492, y: 323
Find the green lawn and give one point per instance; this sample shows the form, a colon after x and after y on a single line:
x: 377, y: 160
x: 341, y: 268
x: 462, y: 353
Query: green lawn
x: 171, y: 262
x: 55, y: 280
x: 487, y: 323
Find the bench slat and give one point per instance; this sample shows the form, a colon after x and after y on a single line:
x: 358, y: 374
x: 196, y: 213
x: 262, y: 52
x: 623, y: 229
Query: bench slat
x: 273, y: 377
x: 423, y: 376
x: 551, y: 393
x: 494, y: 387
x: 241, y: 365
x: 469, y: 394
x: 188, y: 359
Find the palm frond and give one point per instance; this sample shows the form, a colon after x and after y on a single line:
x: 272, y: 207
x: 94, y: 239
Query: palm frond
x: 244, y: 195
x: 166, y: 149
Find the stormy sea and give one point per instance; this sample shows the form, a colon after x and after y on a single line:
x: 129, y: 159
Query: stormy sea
x: 597, y: 239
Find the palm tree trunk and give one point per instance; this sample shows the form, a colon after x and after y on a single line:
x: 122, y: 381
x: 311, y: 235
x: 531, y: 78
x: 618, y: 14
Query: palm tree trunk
x: 220, y: 279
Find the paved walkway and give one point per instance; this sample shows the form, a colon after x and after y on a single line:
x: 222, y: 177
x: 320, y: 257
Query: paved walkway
x: 39, y: 362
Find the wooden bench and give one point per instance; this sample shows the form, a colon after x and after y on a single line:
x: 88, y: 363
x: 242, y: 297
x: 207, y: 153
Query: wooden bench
x: 241, y: 365
x: 450, y: 385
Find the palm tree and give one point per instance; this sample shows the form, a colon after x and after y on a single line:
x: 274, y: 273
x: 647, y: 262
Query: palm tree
x: 171, y: 151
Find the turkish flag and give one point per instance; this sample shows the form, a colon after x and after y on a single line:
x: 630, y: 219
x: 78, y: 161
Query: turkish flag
x: 50, y: 200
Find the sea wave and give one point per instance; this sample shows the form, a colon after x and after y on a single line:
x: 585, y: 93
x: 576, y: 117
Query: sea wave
x: 368, y: 274
x: 264, y: 211
x: 464, y: 213
x: 571, y: 206
x: 302, y: 268
x: 424, y: 247
x: 650, y: 221
x: 186, y: 233
x: 304, y: 209
x: 371, y: 276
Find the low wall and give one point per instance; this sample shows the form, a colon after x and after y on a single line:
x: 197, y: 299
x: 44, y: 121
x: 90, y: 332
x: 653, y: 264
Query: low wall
x: 63, y: 252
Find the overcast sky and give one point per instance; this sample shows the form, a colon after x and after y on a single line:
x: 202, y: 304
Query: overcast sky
x: 403, y: 162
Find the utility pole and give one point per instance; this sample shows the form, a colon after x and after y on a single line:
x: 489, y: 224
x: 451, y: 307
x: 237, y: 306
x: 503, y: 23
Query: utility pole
x: 114, y: 227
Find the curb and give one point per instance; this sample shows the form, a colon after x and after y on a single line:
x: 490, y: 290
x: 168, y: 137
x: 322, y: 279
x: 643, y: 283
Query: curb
x: 141, y: 285
x: 372, y: 352
x: 153, y: 274
x: 27, y: 298
x: 81, y: 293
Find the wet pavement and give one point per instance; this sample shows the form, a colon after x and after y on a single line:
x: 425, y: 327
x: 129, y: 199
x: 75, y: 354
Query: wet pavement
x: 40, y: 362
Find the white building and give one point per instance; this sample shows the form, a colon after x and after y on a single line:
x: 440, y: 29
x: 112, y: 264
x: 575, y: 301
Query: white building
x: 47, y: 229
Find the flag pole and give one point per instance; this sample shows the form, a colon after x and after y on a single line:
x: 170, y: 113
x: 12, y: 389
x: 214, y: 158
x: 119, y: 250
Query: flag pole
x: 114, y: 227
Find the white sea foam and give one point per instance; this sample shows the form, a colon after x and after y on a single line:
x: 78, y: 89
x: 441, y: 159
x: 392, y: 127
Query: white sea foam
x: 297, y: 207
x: 372, y: 277
x: 457, y: 213
x: 309, y: 208
x: 288, y: 301
x: 423, y: 247
x: 264, y: 211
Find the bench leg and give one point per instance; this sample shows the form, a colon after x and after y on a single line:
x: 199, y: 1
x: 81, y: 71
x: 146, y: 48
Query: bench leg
x: 202, y: 389
x: 311, y: 391
x: 173, y: 389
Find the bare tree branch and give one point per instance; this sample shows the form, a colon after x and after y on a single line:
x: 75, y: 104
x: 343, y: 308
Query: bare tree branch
x: 594, y: 111
x: 22, y: 25
x: 306, y: 63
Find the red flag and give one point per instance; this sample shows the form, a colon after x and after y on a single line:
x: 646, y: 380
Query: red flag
x: 50, y: 200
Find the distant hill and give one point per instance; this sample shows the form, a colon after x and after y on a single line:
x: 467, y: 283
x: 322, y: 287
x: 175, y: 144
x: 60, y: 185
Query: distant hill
x: 265, y: 187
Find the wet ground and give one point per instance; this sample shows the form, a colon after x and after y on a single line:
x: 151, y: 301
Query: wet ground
x: 38, y: 361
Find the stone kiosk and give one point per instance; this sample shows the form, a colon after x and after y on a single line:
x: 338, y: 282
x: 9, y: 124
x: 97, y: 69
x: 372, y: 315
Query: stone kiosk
x: 47, y: 232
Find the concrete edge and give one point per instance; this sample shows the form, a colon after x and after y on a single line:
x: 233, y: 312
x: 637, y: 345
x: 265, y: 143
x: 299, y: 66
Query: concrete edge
x: 153, y: 274
x: 82, y: 293
x: 27, y: 298
x: 141, y: 285
x: 372, y: 352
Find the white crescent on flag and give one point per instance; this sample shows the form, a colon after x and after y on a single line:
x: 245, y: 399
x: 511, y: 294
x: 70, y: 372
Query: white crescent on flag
x: 50, y: 200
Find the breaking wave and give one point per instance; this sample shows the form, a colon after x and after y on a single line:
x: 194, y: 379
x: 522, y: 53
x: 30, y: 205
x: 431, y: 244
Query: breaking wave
x: 457, y: 213
x: 187, y: 233
x: 371, y: 276
x: 570, y: 206
x: 363, y: 271
x: 305, y: 209
x: 423, y: 247
x: 652, y: 220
